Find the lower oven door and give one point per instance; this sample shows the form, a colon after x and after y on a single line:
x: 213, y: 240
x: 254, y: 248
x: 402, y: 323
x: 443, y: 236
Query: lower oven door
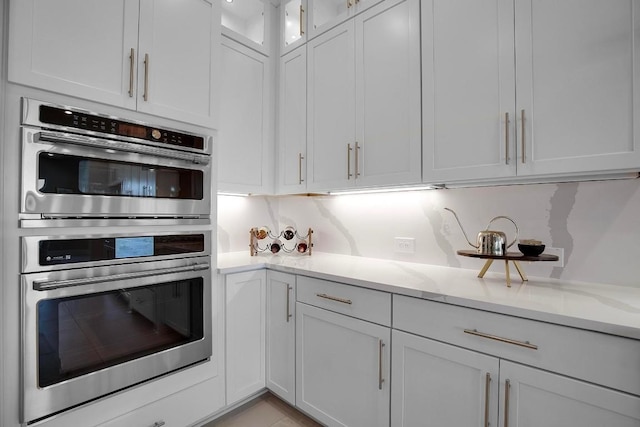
x: 91, y: 332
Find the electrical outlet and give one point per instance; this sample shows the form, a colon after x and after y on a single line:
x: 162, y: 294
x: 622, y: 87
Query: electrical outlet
x: 555, y: 251
x: 405, y: 245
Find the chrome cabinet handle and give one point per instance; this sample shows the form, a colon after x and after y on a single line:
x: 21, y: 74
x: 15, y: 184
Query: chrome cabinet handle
x: 145, y: 95
x: 349, y: 149
x: 288, y: 314
x: 526, y: 344
x: 380, y: 378
x: 522, y: 129
x: 506, y: 137
x: 45, y: 285
x: 131, y: 59
x: 357, y: 156
x: 301, y: 12
x: 337, y: 299
x: 300, y: 159
x: 507, y: 390
x: 487, y: 392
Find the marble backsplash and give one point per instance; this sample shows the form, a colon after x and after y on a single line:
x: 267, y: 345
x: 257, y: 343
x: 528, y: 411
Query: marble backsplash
x: 597, y: 223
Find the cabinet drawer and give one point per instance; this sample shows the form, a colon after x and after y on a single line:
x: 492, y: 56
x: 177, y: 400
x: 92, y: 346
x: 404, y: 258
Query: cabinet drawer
x: 366, y: 304
x: 599, y: 358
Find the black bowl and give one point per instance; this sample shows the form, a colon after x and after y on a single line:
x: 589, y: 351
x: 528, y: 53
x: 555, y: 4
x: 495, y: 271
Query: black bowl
x: 531, y: 250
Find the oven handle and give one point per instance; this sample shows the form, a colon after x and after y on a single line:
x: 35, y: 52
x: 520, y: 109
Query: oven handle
x: 46, y: 285
x: 67, y: 138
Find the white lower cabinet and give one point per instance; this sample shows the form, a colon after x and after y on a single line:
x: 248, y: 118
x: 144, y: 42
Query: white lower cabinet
x: 429, y: 376
x: 539, y: 398
x: 281, y: 335
x: 245, y: 334
x: 438, y: 384
x: 342, y: 368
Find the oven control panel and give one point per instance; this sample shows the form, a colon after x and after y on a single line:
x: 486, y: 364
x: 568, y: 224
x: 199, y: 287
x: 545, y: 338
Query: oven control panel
x: 71, y: 118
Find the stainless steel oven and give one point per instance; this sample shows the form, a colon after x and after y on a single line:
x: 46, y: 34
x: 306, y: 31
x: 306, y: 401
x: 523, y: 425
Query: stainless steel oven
x: 82, y: 164
x: 101, y: 313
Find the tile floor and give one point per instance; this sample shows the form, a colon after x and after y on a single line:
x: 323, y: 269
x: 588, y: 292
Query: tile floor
x: 265, y: 411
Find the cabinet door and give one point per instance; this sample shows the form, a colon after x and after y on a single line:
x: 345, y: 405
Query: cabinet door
x: 178, y: 72
x: 292, y: 141
x: 331, y: 109
x: 436, y: 384
x: 281, y: 335
x: 342, y: 366
x: 244, y: 151
x: 75, y: 47
x: 387, y: 100
x: 539, y: 398
x: 468, y: 88
x: 578, y: 85
x: 245, y: 334
x: 325, y: 14
x: 293, y: 24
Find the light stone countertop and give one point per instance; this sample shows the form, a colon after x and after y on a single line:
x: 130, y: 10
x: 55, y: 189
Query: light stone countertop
x: 597, y: 307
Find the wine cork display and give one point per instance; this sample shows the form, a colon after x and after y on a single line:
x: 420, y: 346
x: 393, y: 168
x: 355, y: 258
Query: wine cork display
x: 262, y: 240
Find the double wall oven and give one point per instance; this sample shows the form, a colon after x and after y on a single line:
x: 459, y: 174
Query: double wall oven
x: 102, y: 312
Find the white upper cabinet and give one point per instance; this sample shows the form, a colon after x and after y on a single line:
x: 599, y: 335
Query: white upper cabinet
x: 363, y: 106
x: 124, y: 53
x: 245, y: 146
x: 468, y: 89
x: 325, y: 14
x: 578, y: 86
x: 331, y: 108
x: 565, y: 107
x: 388, y: 137
x: 293, y: 24
x: 292, y: 140
x: 179, y: 69
x: 76, y: 47
x: 248, y: 22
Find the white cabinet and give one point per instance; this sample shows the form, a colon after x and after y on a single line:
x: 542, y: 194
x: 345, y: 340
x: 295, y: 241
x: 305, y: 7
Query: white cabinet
x: 293, y: 24
x: 342, y: 368
x: 292, y: 139
x: 124, y: 53
x: 363, y: 125
x: 248, y: 22
x: 281, y: 335
x: 245, y: 148
x: 539, y: 398
x: 552, y: 95
x: 468, y: 88
x: 427, y: 370
x: 245, y: 334
x: 325, y: 14
x: 447, y: 385
x: 577, y: 83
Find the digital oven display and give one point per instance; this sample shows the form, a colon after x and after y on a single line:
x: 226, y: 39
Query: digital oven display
x: 131, y: 247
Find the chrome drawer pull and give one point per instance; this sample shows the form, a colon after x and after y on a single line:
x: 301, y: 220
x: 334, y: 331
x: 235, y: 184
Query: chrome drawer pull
x: 526, y: 344
x: 332, y: 298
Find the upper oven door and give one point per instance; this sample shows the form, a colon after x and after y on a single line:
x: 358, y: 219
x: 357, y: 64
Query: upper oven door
x: 70, y: 175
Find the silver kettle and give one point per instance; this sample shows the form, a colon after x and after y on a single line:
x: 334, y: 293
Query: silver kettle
x: 490, y: 242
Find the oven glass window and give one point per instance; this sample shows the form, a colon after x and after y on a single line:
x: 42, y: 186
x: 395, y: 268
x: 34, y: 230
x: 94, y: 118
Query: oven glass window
x: 83, y: 334
x: 62, y: 174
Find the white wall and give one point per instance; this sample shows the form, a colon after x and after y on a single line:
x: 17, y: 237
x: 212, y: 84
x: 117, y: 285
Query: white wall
x: 597, y: 223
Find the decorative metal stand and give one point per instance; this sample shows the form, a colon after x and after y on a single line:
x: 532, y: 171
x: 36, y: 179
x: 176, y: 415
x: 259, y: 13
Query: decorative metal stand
x: 288, y: 241
x: 510, y: 256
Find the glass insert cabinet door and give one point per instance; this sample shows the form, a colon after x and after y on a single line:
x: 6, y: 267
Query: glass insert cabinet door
x: 244, y: 20
x: 294, y: 23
